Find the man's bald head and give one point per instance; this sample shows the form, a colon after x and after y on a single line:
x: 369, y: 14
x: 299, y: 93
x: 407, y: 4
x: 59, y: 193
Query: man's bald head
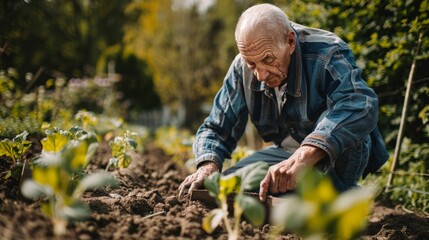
x: 263, y: 17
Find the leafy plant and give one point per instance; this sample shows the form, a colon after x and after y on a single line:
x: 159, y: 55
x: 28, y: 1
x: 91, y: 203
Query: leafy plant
x: 317, y: 209
x: 410, y: 184
x: 247, y: 178
x: 120, y: 146
x: 15, y: 149
x: 87, y: 119
x: 58, y: 176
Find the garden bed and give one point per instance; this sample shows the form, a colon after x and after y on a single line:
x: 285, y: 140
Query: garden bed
x: 146, y: 206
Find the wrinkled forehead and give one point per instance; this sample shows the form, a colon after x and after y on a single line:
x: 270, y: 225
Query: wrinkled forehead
x: 255, y: 42
x: 253, y: 36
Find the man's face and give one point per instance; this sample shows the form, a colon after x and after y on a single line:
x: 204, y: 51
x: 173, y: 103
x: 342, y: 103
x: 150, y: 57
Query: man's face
x: 268, y: 60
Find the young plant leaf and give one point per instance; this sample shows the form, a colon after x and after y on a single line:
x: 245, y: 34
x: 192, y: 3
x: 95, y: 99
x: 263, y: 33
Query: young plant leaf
x: 76, y: 211
x: 7, y: 149
x: 75, y: 156
x: 21, y: 143
x: 131, y: 142
x: 76, y: 132
x: 30, y: 189
x: 213, y: 219
x: 315, y: 186
x: 351, y: 210
x: 228, y: 184
x: 292, y: 213
x: 211, y: 183
x: 124, y: 160
x: 92, y: 148
x: 16, y: 147
x: 54, y: 142
x: 20, y: 137
x: 252, y: 209
x: 96, y: 180
x: 252, y: 175
x: 51, y: 176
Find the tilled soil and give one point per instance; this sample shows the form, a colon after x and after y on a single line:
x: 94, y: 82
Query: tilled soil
x: 146, y: 206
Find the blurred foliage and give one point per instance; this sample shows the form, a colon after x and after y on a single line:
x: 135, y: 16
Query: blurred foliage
x: 238, y: 154
x: 384, y: 36
x: 135, y: 80
x: 80, y: 41
x: 58, y: 177
x: 235, y: 184
x: 15, y: 148
x: 410, y: 186
x: 64, y: 36
x: 175, y: 142
x: 121, y: 146
x: 17, y: 111
x: 56, y: 103
x: 318, y: 211
x: 188, y: 49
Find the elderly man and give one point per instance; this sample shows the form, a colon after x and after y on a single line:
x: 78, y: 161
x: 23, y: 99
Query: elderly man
x: 297, y: 83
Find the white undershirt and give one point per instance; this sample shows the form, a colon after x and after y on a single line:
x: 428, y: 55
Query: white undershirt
x: 279, y: 97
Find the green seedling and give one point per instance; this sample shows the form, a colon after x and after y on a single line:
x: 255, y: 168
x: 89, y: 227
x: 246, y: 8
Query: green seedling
x: 88, y: 119
x: 15, y: 149
x: 121, y: 145
x: 245, y: 179
x: 58, y: 177
x: 317, y: 211
x: 57, y: 139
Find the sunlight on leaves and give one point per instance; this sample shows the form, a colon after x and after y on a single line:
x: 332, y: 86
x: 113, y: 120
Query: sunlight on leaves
x: 54, y: 142
x: 317, y: 209
x: 228, y: 184
x: 220, y: 186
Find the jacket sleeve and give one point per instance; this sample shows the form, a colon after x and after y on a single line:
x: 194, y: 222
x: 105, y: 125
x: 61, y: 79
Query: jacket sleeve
x: 217, y: 137
x: 352, y: 107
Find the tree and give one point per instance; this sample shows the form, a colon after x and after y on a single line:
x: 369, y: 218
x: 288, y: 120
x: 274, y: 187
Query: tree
x: 64, y: 37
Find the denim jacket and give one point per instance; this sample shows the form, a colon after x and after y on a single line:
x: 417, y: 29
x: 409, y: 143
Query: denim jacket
x: 326, y: 104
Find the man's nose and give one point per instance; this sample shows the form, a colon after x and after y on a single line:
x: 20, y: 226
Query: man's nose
x: 261, y: 74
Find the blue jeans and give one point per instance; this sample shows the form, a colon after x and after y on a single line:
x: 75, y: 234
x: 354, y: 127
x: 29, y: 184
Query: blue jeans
x: 348, y: 168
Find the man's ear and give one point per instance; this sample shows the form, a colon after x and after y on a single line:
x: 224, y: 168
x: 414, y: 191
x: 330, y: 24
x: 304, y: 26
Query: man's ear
x: 291, y: 40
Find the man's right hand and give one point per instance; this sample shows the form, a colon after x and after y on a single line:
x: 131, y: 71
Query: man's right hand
x: 196, y: 180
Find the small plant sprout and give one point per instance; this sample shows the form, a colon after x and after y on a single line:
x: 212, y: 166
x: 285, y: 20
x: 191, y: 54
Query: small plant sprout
x: 15, y: 150
x: 57, y: 139
x: 59, y: 178
x: 16, y: 147
x: 317, y: 211
x: 247, y: 178
x: 88, y: 119
x: 121, y: 145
